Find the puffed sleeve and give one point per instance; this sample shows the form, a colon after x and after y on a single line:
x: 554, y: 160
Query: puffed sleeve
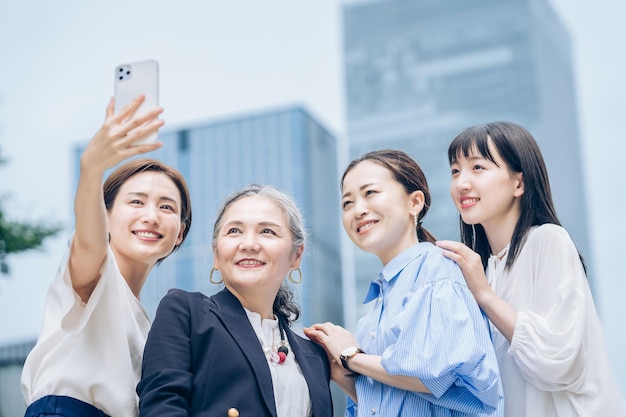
x: 166, y: 382
x: 547, y: 343
x: 442, y: 338
x: 63, y: 304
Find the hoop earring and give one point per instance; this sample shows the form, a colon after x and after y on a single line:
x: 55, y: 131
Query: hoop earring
x: 211, y: 277
x: 291, y: 278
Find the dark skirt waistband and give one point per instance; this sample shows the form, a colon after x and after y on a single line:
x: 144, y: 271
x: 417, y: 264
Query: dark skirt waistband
x: 61, y: 406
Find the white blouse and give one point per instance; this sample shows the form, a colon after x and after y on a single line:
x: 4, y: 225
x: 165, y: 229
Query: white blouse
x: 291, y: 392
x: 556, y: 364
x: 93, y: 351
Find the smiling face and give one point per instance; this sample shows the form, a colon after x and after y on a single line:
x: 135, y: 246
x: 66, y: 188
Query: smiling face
x: 377, y: 210
x: 254, y: 248
x: 486, y: 192
x: 144, y: 221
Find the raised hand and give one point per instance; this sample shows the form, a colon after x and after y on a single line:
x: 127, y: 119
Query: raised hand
x: 333, y: 338
x: 471, y: 266
x: 115, y: 140
x: 500, y: 313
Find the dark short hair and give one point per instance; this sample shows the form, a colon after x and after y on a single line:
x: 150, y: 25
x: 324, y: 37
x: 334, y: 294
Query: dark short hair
x: 133, y: 167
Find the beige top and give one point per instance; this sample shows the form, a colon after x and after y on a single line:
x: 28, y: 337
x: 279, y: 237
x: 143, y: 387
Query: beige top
x: 93, y: 351
x: 557, y: 363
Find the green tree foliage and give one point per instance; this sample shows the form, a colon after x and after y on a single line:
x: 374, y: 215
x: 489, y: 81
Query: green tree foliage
x: 16, y: 237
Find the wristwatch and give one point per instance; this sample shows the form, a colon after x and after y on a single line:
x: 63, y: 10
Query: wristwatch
x: 347, y: 354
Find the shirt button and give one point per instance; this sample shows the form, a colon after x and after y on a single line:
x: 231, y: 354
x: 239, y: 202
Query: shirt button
x: 374, y: 411
x: 379, y: 299
x: 372, y: 335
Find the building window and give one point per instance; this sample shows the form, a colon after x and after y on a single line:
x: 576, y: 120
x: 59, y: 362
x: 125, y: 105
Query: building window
x: 183, y: 140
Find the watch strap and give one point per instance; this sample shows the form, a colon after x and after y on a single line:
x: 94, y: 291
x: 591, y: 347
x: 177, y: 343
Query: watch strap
x: 344, y: 362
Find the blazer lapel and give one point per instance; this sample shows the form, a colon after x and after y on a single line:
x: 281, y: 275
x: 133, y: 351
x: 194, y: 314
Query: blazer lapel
x: 316, y: 373
x: 232, y: 315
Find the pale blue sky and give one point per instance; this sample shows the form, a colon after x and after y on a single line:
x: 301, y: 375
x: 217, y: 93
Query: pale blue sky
x: 220, y: 58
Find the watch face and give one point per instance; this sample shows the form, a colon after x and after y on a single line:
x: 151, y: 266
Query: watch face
x: 349, y: 352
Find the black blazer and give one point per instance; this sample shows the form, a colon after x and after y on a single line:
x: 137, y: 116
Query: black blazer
x: 203, y: 357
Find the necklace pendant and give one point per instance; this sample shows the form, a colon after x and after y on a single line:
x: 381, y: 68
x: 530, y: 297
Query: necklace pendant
x: 278, y: 356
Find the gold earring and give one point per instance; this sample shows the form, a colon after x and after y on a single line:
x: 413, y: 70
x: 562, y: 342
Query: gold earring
x: 211, y: 277
x: 291, y: 278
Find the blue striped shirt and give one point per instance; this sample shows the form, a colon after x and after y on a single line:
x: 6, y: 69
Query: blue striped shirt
x: 426, y: 324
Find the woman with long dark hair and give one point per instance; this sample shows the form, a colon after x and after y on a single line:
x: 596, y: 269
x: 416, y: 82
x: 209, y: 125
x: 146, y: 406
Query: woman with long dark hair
x: 528, y: 277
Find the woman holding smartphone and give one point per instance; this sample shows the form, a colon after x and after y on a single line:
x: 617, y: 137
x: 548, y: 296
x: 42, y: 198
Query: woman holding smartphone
x: 87, y: 360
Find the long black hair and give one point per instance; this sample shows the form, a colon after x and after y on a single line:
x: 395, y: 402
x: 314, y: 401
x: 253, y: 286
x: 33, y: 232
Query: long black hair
x: 519, y: 150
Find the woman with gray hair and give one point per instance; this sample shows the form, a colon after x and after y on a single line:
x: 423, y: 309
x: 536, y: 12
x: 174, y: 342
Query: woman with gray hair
x: 234, y: 353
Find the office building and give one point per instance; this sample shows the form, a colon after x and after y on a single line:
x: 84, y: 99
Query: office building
x: 11, y: 362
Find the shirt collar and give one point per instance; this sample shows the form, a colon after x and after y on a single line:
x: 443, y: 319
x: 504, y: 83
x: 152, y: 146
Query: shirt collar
x: 394, y: 267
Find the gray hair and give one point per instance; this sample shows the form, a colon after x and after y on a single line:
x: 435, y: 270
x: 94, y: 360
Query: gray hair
x: 285, y: 306
x: 290, y: 210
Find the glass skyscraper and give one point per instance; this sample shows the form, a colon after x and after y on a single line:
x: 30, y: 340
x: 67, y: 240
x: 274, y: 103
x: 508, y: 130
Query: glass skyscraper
x: 418, y: 72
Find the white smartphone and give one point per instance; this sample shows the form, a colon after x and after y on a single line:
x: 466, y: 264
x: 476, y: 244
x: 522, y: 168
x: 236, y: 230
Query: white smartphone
x: 134, y: 79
